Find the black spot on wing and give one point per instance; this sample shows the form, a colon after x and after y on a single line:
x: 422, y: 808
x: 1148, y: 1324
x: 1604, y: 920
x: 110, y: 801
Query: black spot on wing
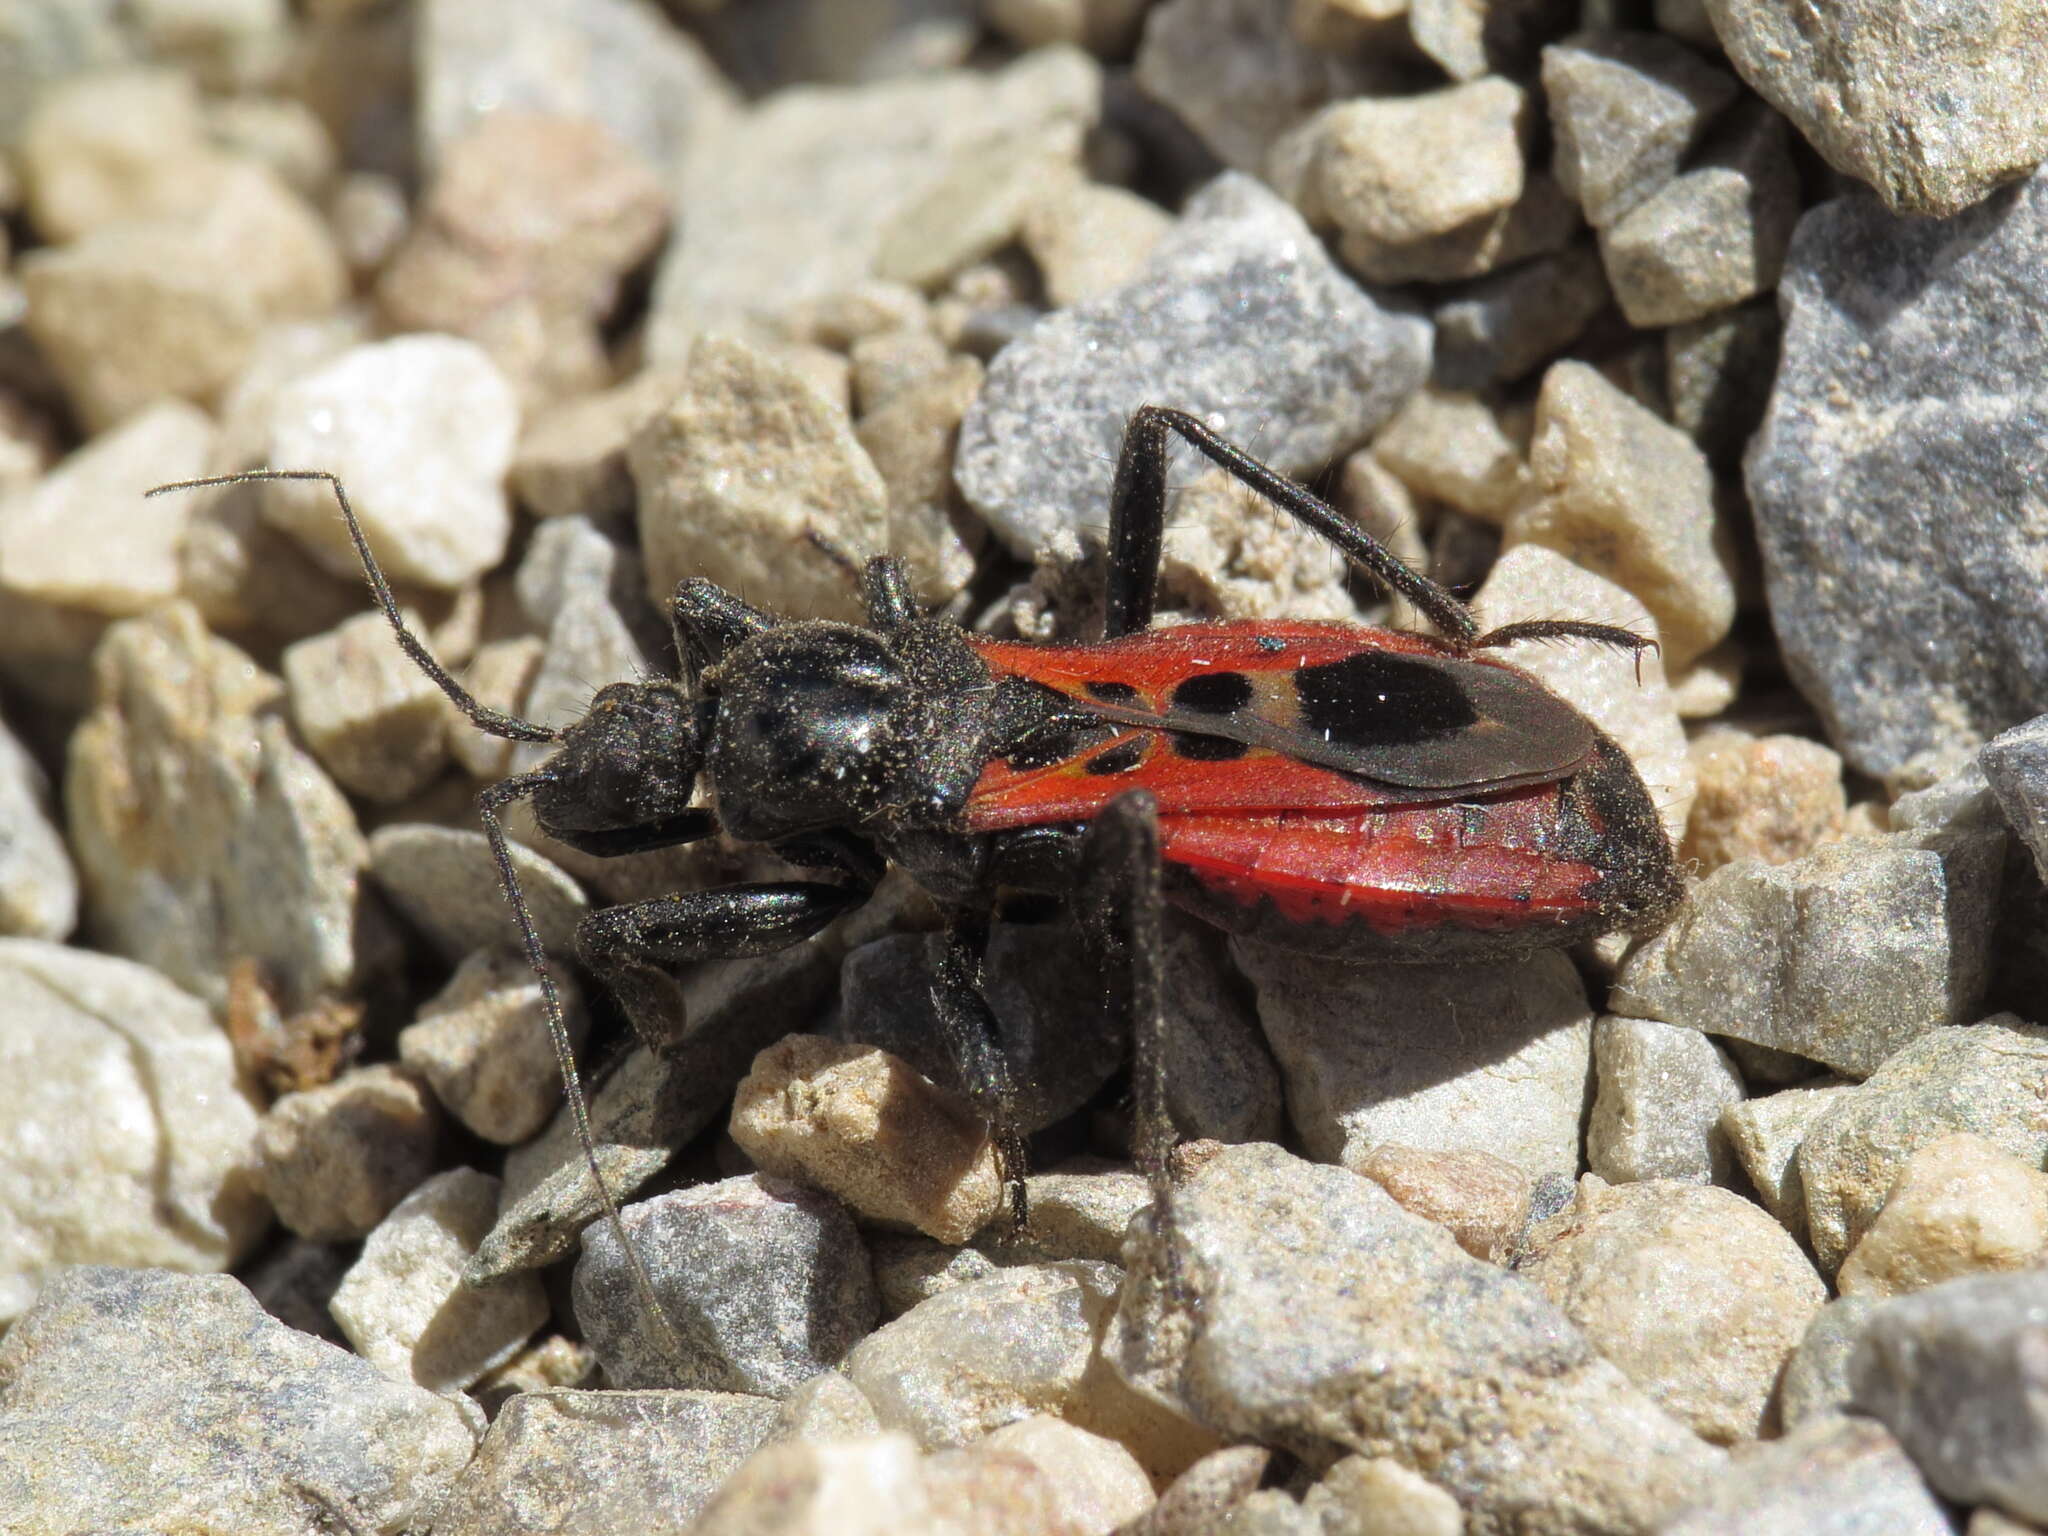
x: 1205, y: 749
x: 1436, y: 722
x: 1380, y: 698
x: 1213, y: 693
x: 1121, y: 758
x: 1112, y: 693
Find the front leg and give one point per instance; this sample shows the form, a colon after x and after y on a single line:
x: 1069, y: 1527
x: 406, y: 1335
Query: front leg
x: 634, y: 948
x: 1137, y: 526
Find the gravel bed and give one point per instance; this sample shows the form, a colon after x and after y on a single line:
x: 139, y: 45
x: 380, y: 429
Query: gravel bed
x: 1716, y: 319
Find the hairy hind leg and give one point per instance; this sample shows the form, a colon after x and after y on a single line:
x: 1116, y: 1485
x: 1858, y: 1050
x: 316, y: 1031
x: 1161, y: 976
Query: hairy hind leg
x: 1137, y: 524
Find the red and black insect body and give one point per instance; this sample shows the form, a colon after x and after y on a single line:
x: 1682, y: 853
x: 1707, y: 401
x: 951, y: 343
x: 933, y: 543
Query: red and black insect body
x: 1342, y: 790
x: 1362, y: 793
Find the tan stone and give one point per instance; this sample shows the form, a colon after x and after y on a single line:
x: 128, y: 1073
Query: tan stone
x: 1773, y: 798
x: 1960, y: 1206
x: 870, y: 1129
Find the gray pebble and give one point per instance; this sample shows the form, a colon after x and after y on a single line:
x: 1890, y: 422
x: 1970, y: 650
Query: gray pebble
x: 1990, y: 1078
x: 589, y: 1463
x: 445, y: 883
x: 1765, y: 1134
x: 1836, y: 1476
x: 1283, y: 1336
x: 794, y: 205
x: 1074, y: 1215
x: 1934, y: 110
x: 1960, y: 1374
x: 1625, y: 107
x: 910, y: 1267
x: 203, y: 833
x: 1711, y: 237
x: 1843, y: 956
x: 2016, y: 764
x: 145, y: 1400
x: 1023, y: 1341
x: 124, y: 1128
x: 403, y: 1304
x: 1221, y: 1079
x: 1493, y: 1058
x: 337, y: 1158
x: 1657, y: 1105
x: 649, y: 83
x: 1239, y: 318
x: 1910, y: 622
x: 1717, y: 373
x: 1503, y: 326
x: 1816, y: 1381
x: 38, y: 886
x: 650, y: 1105
x: 482, y: 1044
x: 1235, y: 72
x: 765, y: 1283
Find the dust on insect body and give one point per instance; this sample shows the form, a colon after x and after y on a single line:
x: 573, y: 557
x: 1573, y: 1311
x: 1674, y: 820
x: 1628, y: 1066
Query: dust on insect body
x: 1360, y: 793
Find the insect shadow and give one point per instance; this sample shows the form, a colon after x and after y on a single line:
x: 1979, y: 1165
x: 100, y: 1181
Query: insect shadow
x: 1340, y: 790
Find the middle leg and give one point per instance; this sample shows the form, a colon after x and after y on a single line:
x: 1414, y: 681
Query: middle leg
x: 634, y: 948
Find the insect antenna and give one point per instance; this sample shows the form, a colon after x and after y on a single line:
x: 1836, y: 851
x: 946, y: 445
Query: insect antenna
x: 491, y: 721
x: 489, y: 804
x: 493, y: 800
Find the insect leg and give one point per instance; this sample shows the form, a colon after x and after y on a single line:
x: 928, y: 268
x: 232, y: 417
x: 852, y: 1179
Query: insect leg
x: 976, y: 1048
x: 1137, y: 523
x: 1119, y: 903
x: 709, y: 621
x: 631, y: 948
x: 886, y: 594
x: 615, y: 842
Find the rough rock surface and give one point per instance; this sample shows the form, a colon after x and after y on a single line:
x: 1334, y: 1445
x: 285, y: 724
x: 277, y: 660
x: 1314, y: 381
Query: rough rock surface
x: 337, y: 1158
x: 1491, y: 1058
x: 1960, y: 1374
x: 1861, y: 565
x: 864, y: 1125
x: 569, y: 1463
x: 141, y: 1400
x: 765, y: 1283
x: 1838, y: 1476
x: 1284, y: 1338
x: 1989, y: 1078
x: 38, y: 885
x: 403, y: 1304
x: 1659, y: 1095
x: 203, y: 833
x: 1933, y: 107
x: 1843, y: 956
x: 1695, y: 1293
x: 1959, y: 1206
x: 1314, y: 358
x: 125, y: 1135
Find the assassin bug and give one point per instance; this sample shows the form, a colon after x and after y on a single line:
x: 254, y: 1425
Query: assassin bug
x: 1363, y: 793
